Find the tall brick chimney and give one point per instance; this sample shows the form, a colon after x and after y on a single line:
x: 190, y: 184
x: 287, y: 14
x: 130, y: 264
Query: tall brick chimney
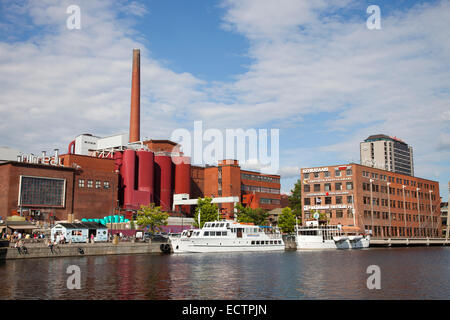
x: 135, y: 111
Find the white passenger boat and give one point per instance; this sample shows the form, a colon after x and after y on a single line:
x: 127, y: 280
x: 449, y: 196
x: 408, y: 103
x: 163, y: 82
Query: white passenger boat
x: 315, y: 236
x: 228, y: 236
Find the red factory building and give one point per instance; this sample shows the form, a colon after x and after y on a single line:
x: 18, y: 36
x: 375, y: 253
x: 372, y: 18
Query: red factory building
x: 116, y: 175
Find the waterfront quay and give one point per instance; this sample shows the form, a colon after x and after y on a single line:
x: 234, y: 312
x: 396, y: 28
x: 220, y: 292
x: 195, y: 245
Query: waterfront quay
x: 405, y: 242
x: 41, y: 250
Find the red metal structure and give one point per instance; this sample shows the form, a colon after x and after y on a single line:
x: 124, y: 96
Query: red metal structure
x: 163, y: 175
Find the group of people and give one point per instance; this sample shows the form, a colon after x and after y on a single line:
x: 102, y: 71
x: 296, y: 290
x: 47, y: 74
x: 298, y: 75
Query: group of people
x: 20, y: 246
x: 17, y: 236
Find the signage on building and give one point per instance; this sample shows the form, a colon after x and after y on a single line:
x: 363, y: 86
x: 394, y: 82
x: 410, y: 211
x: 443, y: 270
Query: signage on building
x: 328, y: 206
x: 315, y: 170
x: 329, y: 193
x: 44, y: 159
x: 330, y: 179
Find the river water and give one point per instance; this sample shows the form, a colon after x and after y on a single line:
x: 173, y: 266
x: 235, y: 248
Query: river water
x: 406, y: 273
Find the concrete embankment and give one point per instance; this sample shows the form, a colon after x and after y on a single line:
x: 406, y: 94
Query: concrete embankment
x: 82, y: 249
x: 289, y: 243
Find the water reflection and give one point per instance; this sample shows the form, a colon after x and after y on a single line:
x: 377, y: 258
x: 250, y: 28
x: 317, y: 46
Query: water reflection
x: 407, y: 273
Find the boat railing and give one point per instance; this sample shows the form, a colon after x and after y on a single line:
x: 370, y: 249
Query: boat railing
x: 274, y: 235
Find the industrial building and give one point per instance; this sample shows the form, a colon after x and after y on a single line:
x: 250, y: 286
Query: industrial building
x: 100, y: 176
x: 387, y: 203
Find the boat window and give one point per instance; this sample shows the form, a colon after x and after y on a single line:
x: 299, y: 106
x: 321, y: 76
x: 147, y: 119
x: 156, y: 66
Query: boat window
x: 271, y: 241
x: 228, y: 226
x: 257, y: 242
x: 213, y: 225
x: 222, y: 224
x: 212, y: 233
x: 224, y: 233
x: 253, y: 242
x: 206, y: 233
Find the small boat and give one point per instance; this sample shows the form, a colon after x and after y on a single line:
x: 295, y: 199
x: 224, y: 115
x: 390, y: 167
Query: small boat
x: 315, y: 236
x: 228, y: 236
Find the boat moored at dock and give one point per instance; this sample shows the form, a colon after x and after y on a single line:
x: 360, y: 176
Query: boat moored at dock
x: 315, y: 236
x: 228, y: 236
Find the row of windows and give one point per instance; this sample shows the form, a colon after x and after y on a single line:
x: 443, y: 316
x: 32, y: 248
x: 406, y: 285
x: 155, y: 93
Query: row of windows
x: 259, y: 189
x: 374, y: 175
x: 406, y: 182
x: 328, y: 200
x: 338, y: 214
x: 327, y: 187
x: 215, y: 233
x: 265, y: 242
x: 90, y: 184
x: 398, y: 217
x: 401, y: 232
x: 269, y: 201
x: 327, y: 174
x: 246, y: 176
x: 393, y: 191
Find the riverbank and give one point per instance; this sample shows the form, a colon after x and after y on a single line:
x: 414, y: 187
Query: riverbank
x: 81, y: 249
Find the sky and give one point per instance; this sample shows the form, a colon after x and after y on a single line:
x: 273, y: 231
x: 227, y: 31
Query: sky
x: 311, y: 69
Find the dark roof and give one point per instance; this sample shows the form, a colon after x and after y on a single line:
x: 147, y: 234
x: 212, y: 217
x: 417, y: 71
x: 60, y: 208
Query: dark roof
x: 378, y: 137
x: 82, y: 225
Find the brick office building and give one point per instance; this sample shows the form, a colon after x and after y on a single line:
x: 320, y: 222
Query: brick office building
x: 228, y: 179
x: 390, y: 204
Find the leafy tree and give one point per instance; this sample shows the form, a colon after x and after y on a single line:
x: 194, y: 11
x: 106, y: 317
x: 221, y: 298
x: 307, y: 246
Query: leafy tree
x: 295, y: 200
x: 208, y: 211
x: 286, y: 220
x: 256, y: 216
x: 152, y: 217
x: 132, y: 226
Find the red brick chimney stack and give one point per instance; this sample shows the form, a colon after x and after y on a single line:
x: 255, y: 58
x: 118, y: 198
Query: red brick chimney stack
x: 135, y: 112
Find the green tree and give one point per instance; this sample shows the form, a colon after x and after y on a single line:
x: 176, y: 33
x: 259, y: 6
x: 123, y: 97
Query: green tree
x: 286, y: 220
x: 152, y: 217
x: 256, y: 216
x: 295, y: 200
x: 208, y: 211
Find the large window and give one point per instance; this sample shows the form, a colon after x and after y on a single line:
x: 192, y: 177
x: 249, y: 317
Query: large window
x: 42, y: 191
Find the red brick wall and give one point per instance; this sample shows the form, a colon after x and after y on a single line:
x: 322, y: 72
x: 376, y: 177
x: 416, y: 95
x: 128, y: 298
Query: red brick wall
x: 95, y: 203
x: 88, y: 162
x: 13, y: 173
x: 4, y: 190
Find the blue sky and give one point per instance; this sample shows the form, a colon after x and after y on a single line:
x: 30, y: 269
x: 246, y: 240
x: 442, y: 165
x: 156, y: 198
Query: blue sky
x: 309, y: 68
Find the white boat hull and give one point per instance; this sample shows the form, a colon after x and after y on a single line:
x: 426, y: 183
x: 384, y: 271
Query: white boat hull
x: 315, y: 243
x: 221, y: 245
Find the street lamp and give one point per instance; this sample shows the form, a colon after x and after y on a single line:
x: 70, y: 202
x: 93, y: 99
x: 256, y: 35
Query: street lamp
x: 431, y: 213
x: 371, y: 203
x: 389, y: 207
x: 418, y: 210
x: 404, y: 207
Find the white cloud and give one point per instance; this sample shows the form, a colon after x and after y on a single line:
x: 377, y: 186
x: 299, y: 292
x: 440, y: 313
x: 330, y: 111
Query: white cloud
x: 306, y: 60
x: 67, y: 82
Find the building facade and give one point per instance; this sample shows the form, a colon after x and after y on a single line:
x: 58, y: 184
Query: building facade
x: 444, y: 219
x: 390, y: 204
x: 227, y: 179
x: 79, y: 189
x: 387, y: 153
